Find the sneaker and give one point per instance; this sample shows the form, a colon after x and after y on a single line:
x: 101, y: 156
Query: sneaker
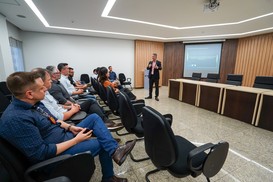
x: 156, y: 98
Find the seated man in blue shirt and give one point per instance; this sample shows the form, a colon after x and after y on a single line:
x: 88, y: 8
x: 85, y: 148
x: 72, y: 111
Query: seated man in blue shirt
x: 112, y: 74
x: 31, y: 128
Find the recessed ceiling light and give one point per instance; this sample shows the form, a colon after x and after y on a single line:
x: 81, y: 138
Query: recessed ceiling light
x: 21, y: 16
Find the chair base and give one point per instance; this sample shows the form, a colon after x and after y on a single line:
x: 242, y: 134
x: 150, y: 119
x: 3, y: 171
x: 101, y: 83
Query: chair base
x: 149, y: 173
x: 141, y: 159
x: 122, y: 134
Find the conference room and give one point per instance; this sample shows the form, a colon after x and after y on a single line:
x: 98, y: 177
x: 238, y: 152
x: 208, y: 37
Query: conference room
x: 216, y: 79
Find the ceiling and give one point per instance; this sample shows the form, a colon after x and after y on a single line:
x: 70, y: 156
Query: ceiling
x: 157, y: 20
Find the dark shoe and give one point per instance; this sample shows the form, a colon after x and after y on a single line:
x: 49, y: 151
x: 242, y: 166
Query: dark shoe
x: 112, y: 126
x: 148, y: 97
x: 122, y: 152
x: 115, y: 179
x: 156, y: 98
x: 117, y: 139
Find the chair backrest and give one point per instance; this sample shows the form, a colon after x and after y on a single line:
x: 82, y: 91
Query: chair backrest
x: 85, y: 78
x: 196, y: 76
x: 4, y: 89
x: 112, y: 100
x: 95, y: 84
x: 121, y: 78
x: 212, y: 77
x: 127, y: 112
x: 102, y: 93
x: 233, y: 79
x: 263, y: 82
x: 4, y: 103
x: 160, y: 143
x: 12, y: 161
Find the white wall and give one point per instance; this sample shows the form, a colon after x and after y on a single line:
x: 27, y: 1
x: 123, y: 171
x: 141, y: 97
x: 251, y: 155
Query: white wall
x: 80, y: 52
x: 6, y: 64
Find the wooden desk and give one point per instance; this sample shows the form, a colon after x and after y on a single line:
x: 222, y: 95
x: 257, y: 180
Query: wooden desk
x: 265, y: 113
x: 175, y: 89
x: 189, y: 91
x: 241, y: 103
x: 210, y: 96
x: 184, y: 90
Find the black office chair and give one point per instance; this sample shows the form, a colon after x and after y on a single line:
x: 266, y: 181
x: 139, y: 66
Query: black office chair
x: 4, y: 89
x: 4, y: 103
x: 15, y: 167
x: 131, y: 121
x: 233, y: 79
x: 265, y: 82
x: 85, y: 78
x: 112, y: 100
x: 124, y: 81
x: 196, y: 76
x: 212, y: 77
x: 176, y: 154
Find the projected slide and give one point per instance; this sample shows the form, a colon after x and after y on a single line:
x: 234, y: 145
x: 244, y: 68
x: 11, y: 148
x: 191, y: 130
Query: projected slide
x: 202, y: 58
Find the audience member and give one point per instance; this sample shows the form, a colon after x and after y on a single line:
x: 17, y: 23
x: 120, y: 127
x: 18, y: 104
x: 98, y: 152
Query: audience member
x: 76, y: 84
x: 64, y: 69
x: 104, y: 80
x: 112, y: 74
x: 40, y: 136
x: 58, y: 91
x: 95, y: 74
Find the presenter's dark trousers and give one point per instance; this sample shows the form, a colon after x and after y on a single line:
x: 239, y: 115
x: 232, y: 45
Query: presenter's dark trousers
x: 153, y: 81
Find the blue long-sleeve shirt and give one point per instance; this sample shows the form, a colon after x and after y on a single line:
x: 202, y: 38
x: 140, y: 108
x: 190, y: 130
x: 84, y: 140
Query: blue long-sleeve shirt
x: 31, y: 132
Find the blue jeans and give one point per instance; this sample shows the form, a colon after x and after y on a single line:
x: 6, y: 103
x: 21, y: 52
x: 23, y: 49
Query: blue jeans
x: 104, y: 145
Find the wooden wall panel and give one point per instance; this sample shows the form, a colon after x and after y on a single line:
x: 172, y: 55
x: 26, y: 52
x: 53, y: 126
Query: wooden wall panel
x: 143, y: 54
x: 254, y: 57
x: 228, y: 59
x: 173, y: 61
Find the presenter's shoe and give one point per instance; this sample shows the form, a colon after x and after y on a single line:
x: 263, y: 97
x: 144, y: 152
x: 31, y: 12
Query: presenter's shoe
x: 149, y: 97
x: 156, y: 98
x: 123, y: 151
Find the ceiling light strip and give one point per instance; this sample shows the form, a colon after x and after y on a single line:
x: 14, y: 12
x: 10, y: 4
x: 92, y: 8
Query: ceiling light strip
x: 105, y: 32
x: 111, y: 3
x: 37, y: 12
x: 108, y: 7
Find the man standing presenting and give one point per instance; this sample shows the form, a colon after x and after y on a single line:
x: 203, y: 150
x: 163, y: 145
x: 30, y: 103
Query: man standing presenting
x: 154, y: 66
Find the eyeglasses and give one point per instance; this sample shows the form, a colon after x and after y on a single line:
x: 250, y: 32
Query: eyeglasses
x: 56, y: 73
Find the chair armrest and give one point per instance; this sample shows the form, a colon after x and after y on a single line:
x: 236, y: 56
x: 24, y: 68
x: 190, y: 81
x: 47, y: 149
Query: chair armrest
x: 138, y: 107
x: 44, y: 164
x: 197, y: 152
x: 64, y: 165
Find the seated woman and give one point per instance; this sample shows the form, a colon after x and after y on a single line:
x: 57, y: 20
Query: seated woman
x: 105, y: 81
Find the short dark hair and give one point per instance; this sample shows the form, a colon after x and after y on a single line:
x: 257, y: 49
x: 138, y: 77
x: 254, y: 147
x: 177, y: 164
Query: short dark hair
x: 41, y: 71
x: 18, y: 82
x: 61, y: 66
x: 109, y: 67
x: 71, y: 68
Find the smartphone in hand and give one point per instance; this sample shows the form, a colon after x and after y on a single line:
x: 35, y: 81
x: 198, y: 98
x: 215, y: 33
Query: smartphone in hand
x: 86, y: 130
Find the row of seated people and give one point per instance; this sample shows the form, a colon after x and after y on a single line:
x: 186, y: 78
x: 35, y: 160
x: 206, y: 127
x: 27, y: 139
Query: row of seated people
x: 265, y: 82
x: 53, y: 136
x: 128, y: 115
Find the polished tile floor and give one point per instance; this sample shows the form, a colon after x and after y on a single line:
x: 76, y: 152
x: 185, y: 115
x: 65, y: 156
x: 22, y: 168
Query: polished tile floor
x: 250, y: 154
